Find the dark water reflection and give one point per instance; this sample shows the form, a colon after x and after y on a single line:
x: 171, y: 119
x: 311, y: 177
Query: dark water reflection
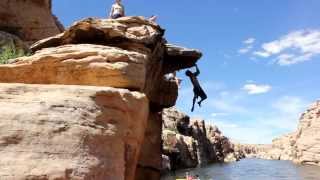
x: 254, y: 169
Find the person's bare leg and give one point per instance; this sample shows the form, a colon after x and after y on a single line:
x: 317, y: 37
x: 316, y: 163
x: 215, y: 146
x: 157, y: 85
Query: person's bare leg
x: 194, y: 101
x: 202, y: 99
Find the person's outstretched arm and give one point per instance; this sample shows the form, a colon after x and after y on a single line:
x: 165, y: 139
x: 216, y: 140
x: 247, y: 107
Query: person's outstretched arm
x: 197, y: 72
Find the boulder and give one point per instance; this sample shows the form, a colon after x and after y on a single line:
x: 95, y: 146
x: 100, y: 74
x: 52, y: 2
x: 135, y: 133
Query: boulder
x: 70, y: 132
x: 180, y: 149
x: 176, y: 121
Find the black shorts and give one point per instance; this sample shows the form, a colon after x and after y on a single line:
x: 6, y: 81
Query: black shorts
x: 199, y: 92
x: 116, y: 16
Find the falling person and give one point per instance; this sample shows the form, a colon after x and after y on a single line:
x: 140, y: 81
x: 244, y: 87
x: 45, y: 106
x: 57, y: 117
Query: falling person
x: 197, y: 90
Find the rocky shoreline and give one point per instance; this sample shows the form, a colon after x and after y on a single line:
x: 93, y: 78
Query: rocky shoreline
x: 189, y: 143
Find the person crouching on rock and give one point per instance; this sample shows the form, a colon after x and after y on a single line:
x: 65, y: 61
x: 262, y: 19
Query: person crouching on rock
x: 117, y: 10
x: 197, y: 90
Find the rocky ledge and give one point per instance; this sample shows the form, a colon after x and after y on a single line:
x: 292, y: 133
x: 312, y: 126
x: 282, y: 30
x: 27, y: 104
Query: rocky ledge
x: 88, y: 103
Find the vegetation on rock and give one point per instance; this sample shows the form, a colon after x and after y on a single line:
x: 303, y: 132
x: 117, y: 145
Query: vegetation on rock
x: 10, y: 52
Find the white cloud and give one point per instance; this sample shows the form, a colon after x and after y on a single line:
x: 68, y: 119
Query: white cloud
x: 219, y: 114
x: 227, y: 106
x: 245, y: 50
x: 248, y: 46
x: 261, y: 125
x: 293, y: 48
x: 261, y: 54
x: 290, y: 105
x: 254, y: 133
x: 249, y: 41
x: 256, y: 89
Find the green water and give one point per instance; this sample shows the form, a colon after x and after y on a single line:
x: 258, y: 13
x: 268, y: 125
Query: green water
x: 253, y: 169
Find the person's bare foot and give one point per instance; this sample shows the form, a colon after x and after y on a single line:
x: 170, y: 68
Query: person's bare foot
x: 199, y: 103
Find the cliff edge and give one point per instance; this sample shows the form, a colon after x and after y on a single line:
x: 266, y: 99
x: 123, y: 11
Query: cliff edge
x: 87, y: 104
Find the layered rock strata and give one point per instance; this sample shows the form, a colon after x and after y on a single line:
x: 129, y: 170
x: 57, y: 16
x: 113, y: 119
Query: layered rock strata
x: 128, y: 53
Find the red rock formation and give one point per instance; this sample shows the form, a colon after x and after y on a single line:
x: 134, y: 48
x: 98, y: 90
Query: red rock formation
x: 31, y: 20
x: 127, y: 53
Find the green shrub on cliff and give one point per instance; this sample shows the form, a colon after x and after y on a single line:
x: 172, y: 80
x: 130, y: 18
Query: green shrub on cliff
x: 8, y: 52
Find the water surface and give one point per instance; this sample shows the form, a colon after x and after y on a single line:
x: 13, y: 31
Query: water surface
x: 253, y: 169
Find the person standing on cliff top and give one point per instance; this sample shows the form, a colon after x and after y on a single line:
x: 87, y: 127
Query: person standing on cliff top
x: 117, y: 10
x: 197, y: 90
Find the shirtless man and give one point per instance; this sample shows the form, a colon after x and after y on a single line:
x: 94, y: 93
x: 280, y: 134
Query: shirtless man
x: 197, y: 90
x: 117, y: 10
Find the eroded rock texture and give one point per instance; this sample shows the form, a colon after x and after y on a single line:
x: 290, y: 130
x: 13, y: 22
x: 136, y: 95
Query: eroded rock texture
x: 31, y: 20
x: 191, y: 143
x: 129, y: 53
x: 307, y: 140
x: 79, y: 64
x: 70, y: 132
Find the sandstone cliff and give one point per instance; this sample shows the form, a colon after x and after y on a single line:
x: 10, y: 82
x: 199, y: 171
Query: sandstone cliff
x: 90, y: 102
x: 30, y: 20
x: 190, y: 143
x: 302, y: 146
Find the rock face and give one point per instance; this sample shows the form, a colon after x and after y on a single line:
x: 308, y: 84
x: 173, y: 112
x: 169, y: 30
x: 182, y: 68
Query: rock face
x: 128, y: 53
x: 191, y: 143
x: 307, y: 140
x: 30, y: 20
x: 80, y: 64
x: 302, y: 146
x: 70, y: 132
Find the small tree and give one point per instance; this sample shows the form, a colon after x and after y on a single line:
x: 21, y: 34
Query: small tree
x: 9, y: 52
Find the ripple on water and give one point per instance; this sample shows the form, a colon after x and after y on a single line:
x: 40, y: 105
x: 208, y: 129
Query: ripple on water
x: 253, y: 169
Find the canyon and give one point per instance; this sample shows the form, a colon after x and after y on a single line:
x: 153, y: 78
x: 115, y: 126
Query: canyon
x: 87, y: 102
x: 301, y: 146
x: 93, y: 101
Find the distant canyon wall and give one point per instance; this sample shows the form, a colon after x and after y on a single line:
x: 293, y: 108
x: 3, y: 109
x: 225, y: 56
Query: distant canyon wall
x: 301, y: 146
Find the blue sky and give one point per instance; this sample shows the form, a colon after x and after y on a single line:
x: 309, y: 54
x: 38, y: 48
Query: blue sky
x: 261, y: 58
